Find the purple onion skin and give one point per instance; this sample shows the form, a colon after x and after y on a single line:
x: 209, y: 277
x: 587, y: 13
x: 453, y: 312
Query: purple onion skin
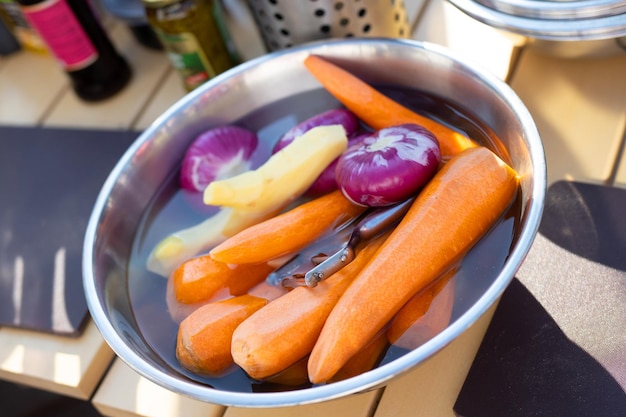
x: 342, y: 117
x: 327, y: 182
x: 389, y: 166
x: 217, y: 153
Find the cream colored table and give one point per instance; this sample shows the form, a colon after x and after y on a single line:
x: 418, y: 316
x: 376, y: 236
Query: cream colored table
x: 578, y: 105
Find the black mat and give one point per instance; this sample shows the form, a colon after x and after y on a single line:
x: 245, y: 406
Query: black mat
x: 557, y: 342
x: 23, y: 401
x: 49, y: 180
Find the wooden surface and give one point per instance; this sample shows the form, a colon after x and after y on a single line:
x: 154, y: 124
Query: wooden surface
x: 67, y: 366
x: 579, y: 107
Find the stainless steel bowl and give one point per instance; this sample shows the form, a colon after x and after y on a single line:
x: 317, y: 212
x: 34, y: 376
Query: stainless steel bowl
x: 564, y: 28
x: 157, y: 153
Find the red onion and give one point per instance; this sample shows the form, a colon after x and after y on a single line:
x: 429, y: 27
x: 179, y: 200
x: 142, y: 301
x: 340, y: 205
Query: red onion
x: 389, y: 166
x: 330, y: 117
x: 326, y: 182
x: 218, y: 153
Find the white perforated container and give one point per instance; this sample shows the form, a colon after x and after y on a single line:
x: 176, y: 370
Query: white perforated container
x: 286, y: 23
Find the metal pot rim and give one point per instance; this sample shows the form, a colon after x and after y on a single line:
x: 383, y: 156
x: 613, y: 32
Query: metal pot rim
x: 573, y: 28
x: 557, y: 9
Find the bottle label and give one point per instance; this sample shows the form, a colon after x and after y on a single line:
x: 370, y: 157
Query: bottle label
x: 187, y: 56
x: 61, y: 30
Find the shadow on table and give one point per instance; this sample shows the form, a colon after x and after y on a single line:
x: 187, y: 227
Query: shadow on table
x: 21, y: 401
x: 527, y: 365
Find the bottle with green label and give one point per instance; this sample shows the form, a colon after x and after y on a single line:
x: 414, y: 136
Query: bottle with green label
x: 192, y: 38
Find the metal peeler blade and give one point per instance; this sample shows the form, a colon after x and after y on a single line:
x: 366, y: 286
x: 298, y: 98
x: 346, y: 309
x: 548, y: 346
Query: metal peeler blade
x: 292, y: 273
x: 371, y: 225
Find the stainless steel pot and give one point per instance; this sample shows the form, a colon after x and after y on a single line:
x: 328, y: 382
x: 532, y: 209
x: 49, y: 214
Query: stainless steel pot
x: 565, y: 28
x: 157, y: 153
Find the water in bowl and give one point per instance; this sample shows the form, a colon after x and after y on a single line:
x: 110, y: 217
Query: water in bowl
x: 174, y: 209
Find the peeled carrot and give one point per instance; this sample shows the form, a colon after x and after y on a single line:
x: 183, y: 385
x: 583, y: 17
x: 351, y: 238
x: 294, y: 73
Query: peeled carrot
x: 364, y: 360
x: 234, y: 284
x: 425, y: 315
x: 204, y: 337
x: 377, y: 110
x: 201, y: 278
x: 268, y: 291
x: 284, y: 331
x: 178, y: 311
x: 287, y: 232
x: 293, y: 376
x: 460, y: 203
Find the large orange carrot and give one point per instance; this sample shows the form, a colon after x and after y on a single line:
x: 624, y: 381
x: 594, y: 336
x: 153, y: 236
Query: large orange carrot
x: 284, y: 331
x: 425, y: 315
x: 365, y: 359
x: 460, y: 203
x: 377, y: 110
x: 293, y: 376
x: 287, y: 232
x: 204, y: 337
x: 201, y: 278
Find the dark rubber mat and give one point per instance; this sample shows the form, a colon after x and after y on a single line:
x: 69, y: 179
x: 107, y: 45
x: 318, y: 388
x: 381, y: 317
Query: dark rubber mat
x: 49, y: 181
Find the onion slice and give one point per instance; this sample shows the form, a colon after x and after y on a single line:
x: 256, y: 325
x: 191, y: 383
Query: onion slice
x: 389, y: 166
x: 218, y: 153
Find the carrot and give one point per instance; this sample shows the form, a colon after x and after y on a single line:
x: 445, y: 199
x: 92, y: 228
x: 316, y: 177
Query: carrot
x: 198, y: 279
x: 234, y: 286
x: 425, y: 315
x: 287, y: 232
x: 268, y: 291
x: 204, y: 337
x: 364, y: 360
x: 460, y: 203
x: 284, y: 331
x: 377, y: 110
x: 293, y: 376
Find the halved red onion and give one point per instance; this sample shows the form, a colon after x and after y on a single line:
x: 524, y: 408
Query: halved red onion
x: 342, y: 117
x: 389, y: 166
x: 218, y: 153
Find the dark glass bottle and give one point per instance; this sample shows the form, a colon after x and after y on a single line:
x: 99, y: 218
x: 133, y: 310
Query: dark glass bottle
x: 74, y: 35
x: 133, y: 14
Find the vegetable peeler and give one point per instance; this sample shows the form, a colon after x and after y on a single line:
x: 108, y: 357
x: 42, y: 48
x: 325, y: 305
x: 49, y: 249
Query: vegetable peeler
x: 313, y: 266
